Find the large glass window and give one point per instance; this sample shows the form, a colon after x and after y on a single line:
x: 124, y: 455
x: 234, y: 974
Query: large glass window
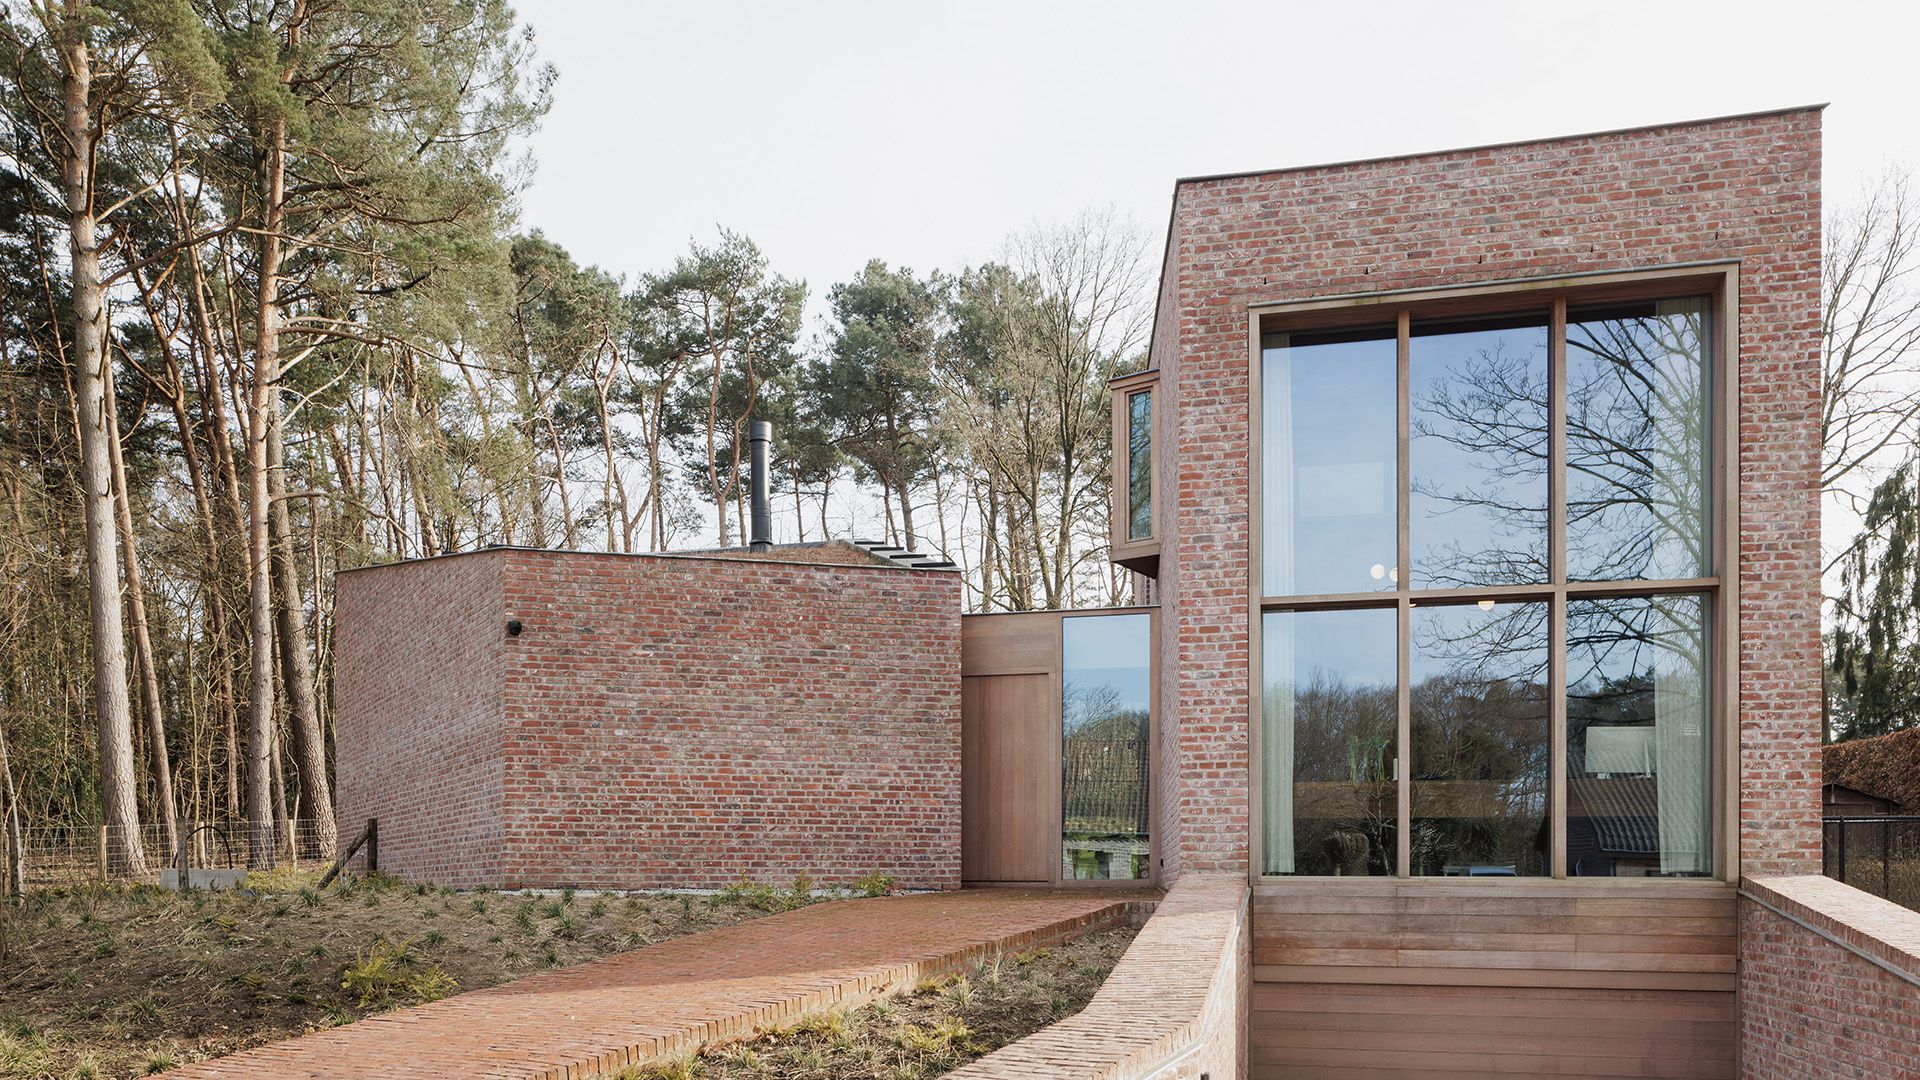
x: 1328, y: 699
x: 1327, y: 462
x: 1551, y: 585
x: 1106, y: 697
x: 1637, y: 441
x: 1480, y: 715
x: 1478, y: 449
x: 1140, y: 465
x: 1637, y: 783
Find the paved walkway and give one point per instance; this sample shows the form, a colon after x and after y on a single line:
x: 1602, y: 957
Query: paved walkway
x: 664, y: 1000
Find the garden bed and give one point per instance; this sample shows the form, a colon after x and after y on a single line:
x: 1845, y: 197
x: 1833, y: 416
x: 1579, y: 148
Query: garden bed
x: 940, y: 1026
x: 115, y: 982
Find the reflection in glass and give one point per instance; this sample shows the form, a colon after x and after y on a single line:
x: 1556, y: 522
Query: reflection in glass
x: 1478, y: 452
x: 1327, y: 462
x: 1480, y: 753
x: 1328, y: 710
x: 1140, y: 465
x: 1637, y: 441
x: 1106, y: 692
x: 1637, y: 761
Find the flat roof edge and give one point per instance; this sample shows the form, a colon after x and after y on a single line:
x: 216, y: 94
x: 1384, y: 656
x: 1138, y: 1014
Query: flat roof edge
x: 875, y: 563
x: 1503, y: 145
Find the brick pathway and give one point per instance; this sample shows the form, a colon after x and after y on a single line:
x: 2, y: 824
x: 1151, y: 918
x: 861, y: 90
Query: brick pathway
x: 664, y: 1000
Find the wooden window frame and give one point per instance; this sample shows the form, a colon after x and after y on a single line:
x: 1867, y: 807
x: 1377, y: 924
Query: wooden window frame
x: 1719, y: 282
x: 1139, y: 555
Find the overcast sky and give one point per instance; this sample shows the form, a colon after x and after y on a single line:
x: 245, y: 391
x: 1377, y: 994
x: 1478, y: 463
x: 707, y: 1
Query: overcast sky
x: 924, y: 133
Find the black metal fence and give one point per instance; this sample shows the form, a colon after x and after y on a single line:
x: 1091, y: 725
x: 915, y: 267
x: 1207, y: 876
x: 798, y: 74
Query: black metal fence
x: 1879, y: 854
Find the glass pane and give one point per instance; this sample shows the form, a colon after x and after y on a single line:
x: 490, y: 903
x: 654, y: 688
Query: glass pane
x: 1328, y: 711
x: 1480, y: 717
x: 1637, y: 441
x: 1327, y: 462
x: 1140, y: 465
x: 1106, y: 675
x: 1478, y: 452
x: 1637, y: 758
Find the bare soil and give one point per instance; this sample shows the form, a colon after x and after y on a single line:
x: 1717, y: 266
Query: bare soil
x: 126, y: 981
x: 942, y: 1025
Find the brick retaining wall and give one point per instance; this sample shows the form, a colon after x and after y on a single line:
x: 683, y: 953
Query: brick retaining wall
x: 1829, y: 982
x: 1173, y: 1008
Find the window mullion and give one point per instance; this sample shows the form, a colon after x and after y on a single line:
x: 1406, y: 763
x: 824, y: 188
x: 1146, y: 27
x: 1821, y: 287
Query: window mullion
x: 1403, y: 576
x: 1557, y: 573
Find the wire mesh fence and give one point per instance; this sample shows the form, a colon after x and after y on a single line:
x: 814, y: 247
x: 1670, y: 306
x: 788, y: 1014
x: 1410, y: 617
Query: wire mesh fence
x: 1878, y: 854
x: 48, y: 857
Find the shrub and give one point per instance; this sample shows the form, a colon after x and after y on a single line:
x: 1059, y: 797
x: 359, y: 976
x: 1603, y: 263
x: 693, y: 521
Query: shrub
x: 392, y: 973
x: 875, y: 884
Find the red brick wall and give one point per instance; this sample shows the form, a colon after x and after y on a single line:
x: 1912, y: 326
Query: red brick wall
x: 659, y: 722
x: 419, y: 721
x: 1812, y: 1009
x: 687, y: 721
x: 1745, y: 188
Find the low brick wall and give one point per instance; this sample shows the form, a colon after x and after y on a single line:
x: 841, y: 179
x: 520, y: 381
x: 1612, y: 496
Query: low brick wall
x: 656, y: 722
x: 1173, y: 1008
x: 1829, y: 982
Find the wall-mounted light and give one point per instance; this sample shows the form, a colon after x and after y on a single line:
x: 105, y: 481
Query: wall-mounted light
x: 513, y: 627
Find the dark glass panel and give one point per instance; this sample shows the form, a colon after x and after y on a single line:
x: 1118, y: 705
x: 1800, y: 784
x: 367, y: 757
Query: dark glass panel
x: 1327, y: 462
x: 1637, y: 441
x: 1140, y: 465
x: 1480, y: 721
x: 1327, y: 742
x: 1106, y: 687
x: 1478, y: 452
x: 1638, y: 785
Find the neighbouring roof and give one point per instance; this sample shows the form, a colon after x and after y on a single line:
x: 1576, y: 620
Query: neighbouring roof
x: 818, y: 552
x: 1885, y: 766
x: 839, y: 552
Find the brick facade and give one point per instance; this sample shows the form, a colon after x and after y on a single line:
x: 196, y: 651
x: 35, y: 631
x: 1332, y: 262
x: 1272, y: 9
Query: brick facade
x: 1812, y: 1008
x: 1745, y: 188
x: 660, y: 721
x: 419, y: 714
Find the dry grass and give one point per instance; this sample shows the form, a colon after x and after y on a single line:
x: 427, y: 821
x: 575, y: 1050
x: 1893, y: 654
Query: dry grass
x: 941, y: 1026
x: 125, y: 981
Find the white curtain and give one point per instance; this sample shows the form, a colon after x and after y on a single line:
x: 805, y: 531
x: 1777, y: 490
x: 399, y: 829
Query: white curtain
x: 1677, y: 623
x: 1276, y: 575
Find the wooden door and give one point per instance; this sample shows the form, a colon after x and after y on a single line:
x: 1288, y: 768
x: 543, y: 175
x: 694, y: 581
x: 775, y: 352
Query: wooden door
x: 1009, y: 735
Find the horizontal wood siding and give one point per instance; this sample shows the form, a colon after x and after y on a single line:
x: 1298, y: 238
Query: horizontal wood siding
x: 1374, y: 979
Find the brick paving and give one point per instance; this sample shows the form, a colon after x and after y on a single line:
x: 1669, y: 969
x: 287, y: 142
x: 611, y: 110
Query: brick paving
x: 665, y: 1000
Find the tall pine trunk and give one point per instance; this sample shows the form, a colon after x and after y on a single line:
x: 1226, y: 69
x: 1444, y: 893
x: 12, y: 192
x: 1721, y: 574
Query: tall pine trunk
x: 118, y: 805
x: 303, y: 710
x: 146, y: 668
x: 263, y: 400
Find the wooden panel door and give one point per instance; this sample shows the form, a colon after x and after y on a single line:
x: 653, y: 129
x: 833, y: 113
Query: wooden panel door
x: 1009, y: 740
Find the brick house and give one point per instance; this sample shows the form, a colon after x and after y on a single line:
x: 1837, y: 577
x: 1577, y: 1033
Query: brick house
x: 1472, y: 499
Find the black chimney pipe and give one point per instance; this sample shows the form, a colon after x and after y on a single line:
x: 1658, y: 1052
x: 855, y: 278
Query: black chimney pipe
x: 759, y: 438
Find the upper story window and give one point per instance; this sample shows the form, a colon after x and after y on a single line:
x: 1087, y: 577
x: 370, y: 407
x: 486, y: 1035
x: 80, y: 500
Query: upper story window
x: 1140, y: 464
x: 1488, y: 584
x: 1135, y: 539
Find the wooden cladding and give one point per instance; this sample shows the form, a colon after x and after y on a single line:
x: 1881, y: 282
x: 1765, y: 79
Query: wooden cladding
x: 1008, y: 730
x: 1379, y: 978
x: 1373, y: 1032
